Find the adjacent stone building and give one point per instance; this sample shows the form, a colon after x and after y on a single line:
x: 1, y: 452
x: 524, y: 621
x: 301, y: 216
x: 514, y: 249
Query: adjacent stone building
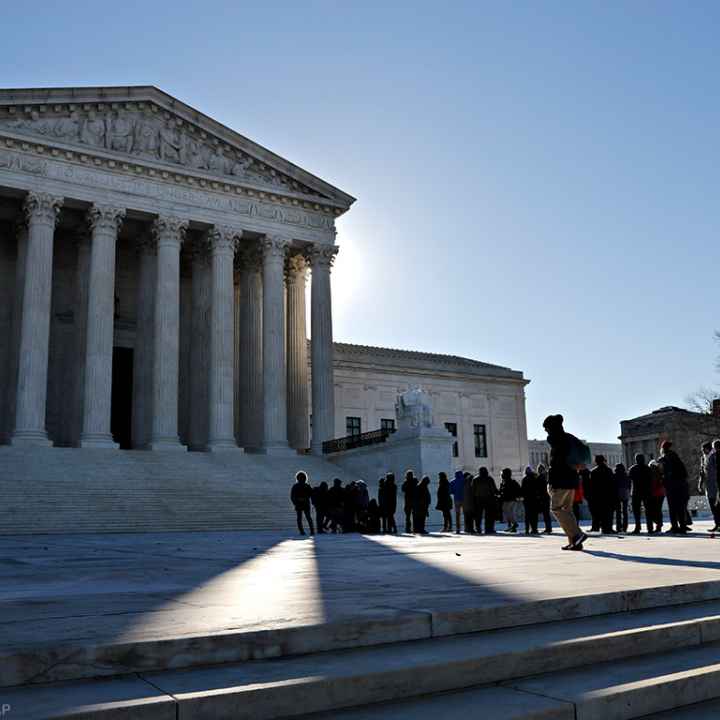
x: 481, y: 405
x: 686, y: 429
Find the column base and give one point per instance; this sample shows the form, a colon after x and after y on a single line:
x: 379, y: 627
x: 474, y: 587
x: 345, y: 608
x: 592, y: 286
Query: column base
x: 166, y: 444
x: 222, y: 446
x: 98, y: 441
x: 30, y: 438
x: 278, y: 450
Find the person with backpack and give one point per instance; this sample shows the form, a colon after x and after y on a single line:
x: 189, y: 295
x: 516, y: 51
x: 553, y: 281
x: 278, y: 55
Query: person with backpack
x: 390, y: 501
x: 300, y: 495
x: 319, y: 498
x: 444, y: 501
x: 457, y: 487
x: 336, y: 501
x: 531, y: 493
x: 566, y: 454
x: 675, y: 481
x: 484, y: 493
x: 408, y: 489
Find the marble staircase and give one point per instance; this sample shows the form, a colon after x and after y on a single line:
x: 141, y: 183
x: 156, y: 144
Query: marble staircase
x: 616, y: 656
x: 49, y: 490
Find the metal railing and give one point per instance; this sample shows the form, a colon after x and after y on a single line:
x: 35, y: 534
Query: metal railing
x: 355, y: 441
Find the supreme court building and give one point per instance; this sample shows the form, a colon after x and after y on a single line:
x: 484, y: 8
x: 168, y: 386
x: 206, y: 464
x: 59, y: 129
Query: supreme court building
x: 153, y: 272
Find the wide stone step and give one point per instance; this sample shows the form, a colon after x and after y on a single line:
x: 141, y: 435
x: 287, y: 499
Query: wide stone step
x: 627, y: 620
x: 709, y: 710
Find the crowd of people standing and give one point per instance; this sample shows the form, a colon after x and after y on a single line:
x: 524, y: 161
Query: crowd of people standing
x: 479, y: 503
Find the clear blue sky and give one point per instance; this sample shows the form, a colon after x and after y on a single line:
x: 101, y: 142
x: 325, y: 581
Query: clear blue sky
x: 537, y: 182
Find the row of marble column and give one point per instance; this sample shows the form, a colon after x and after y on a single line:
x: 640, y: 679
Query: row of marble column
x: 272, y: 374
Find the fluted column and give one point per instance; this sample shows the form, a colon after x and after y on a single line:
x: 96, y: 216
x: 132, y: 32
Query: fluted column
x: 143, y: 351
x: 297, y: 361
x: 274, y: 369
x: 250, y: 341
x: 199, y: 351
x: 15, y: 327
x: 82, y: 273
x: 221, y: 435
x: 104, y: 222
x: 42, y: 212
x: 169, y: 233
x: 323, y: 388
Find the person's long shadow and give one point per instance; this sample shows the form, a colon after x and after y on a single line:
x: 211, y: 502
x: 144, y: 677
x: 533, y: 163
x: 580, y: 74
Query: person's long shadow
x: 400, y: 573
x: 705, y: 564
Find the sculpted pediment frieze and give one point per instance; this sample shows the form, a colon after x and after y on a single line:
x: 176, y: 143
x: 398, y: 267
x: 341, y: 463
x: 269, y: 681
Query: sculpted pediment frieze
x: 147, y: 131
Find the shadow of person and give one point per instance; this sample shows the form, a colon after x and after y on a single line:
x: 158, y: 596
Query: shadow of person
x: 646, y: 560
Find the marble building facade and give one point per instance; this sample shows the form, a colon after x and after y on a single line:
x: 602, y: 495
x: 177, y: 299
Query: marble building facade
x: 153, y: 273
x: 481, y: 405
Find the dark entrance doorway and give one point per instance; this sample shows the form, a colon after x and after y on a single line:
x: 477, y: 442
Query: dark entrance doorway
x: 122, y: 386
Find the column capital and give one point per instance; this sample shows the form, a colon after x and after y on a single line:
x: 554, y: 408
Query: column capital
x: 322, y: 256
x: 223, y: 238
x: 105, y: 218
x: 42, y: 207
x: 295, y: 268
x: 168, y: 229
x: 274, y: 247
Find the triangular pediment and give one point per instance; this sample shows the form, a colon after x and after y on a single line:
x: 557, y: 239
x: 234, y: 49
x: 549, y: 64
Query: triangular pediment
x: 147, y: 125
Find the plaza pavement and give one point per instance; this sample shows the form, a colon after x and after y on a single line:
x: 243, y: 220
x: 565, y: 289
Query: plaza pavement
x: 81, y: 589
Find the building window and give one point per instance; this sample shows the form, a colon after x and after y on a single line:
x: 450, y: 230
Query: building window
x: 352, y: 425
x: 480, y: 441
x: 387, y: 424
x: 452, y: 429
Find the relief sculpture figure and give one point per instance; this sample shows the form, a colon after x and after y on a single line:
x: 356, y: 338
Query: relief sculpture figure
x: 171, y: 142
x: 120, y: 133
x: 93, y: 130
x: 147, y: 136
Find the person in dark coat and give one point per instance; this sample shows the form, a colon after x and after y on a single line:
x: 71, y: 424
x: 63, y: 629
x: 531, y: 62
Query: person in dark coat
x: 531, y: 500
x: 585, y: 484
x: 675, y: 481
x: 373, y: 517
x: 562, y: 481
x: 603, y: 492
x: 390, y: 496
x: 622, y: 495
x: 510, y: 494
x: 336, y: 501
x: 320, y: 503
x: 545, y: 499
x: 408, y: 489
x: 485, y: 495
x: 350, y: 507
x: 444, y: 501
x: 421, y: 505
x: 468, y: 503
x: 381, y: 505
x: 641, y: 480
x: 300, y: 495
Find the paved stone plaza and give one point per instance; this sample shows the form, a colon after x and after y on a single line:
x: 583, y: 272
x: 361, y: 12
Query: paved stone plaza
x: 100, y: 588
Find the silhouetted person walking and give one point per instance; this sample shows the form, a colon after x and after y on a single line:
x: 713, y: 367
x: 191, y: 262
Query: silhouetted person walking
x: 444, y: 501
x: 641, y: 480
x: 300, y: 497
x: 408, y: 489
x: 563, y: 480
x: 421, y: 505
x: 468, y: 503
x: 390, y: 502
x: 531, y: 491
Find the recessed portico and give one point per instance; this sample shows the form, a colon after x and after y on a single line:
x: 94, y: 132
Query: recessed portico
x: 156, y: 270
